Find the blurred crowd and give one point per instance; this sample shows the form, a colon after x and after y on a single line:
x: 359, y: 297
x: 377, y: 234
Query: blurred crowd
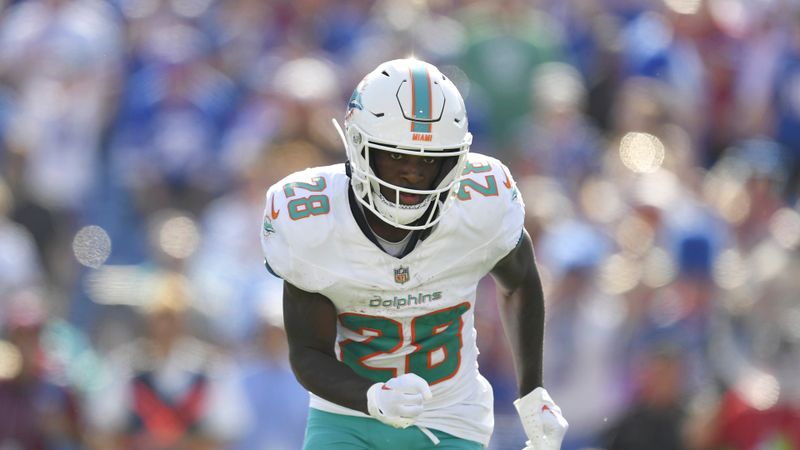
x: 656, y: 143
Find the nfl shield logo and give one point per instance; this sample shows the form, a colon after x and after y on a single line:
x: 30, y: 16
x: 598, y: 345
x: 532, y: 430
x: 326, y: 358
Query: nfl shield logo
x: 401, y: 275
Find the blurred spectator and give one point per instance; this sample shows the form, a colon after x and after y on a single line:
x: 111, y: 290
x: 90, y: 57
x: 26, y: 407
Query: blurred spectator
x: 37, y: 411
x: 270, y: 385
x: 769, y: 105
x: 19, y: 261
x: 61, y: 61
x: 228, y: 271
x: 168, y: 390
x: 506, y: 41
x: 556, y: 138
x: 740, y: 425
x: 583, y: 332
x: 166, y: 139
x: 757, y: 170
x: 655, y: 418
x: 680, y: 313
x: 757, y: 351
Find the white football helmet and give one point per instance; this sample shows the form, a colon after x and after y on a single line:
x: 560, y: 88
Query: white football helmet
x: 406, y: 106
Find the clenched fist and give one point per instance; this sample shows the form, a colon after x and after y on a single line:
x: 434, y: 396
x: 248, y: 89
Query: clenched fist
x: 399, y: 401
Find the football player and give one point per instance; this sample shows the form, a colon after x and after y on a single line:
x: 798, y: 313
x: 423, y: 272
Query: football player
x: 381, y: 258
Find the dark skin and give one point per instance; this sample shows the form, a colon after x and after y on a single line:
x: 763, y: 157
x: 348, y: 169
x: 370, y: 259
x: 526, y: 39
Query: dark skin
x: 310, y: 319
x: 407, y: 171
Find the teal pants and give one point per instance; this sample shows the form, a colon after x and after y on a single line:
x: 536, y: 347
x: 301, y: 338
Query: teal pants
x: 327, y: 431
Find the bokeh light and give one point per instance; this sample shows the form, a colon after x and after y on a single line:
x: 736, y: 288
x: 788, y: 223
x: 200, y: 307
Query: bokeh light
x: 179, y: 236
x: 684, y: 6
x: 767, y: 260
x: 785, y: 228
x: 117, y: 285
x: 730, y: 270
x: 306, y: 79
x: 401, y: 14
x: 557, y: 85
x: 551, y: 202
x: 10, y: 360
x: 731, y: 15
x: 619, y: 274
x: 659, y: 188
x: 659, y: 268
x: 634, y: 235
x: 91, y: 246
x: 601, y: 200
x: 442, y: 37
x: 759, y: 389
x: 739, y: 301
x: 641, y: 152
x: 728, y: 196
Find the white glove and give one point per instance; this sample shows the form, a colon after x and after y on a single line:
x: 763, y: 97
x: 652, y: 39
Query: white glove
x: 542, y: 420
x: 399, y: 401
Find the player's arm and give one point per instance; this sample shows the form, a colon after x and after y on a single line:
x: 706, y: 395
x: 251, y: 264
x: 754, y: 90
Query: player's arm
x: 310, y: 322
x: 521, y: 302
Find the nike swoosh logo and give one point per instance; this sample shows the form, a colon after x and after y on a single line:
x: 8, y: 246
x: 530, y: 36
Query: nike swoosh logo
x: 507, y: 181
x: 386, y: 388
x: 274, y: 213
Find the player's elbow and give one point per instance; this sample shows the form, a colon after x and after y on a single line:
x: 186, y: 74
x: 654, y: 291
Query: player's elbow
x: 301, y: 359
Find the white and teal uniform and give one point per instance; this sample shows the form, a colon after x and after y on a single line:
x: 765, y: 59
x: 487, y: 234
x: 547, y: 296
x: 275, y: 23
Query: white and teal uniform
x: 413, y: 314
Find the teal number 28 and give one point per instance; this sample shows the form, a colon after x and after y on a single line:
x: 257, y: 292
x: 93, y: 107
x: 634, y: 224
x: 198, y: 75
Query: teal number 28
x: 436, y: 338
x: 313, y: 205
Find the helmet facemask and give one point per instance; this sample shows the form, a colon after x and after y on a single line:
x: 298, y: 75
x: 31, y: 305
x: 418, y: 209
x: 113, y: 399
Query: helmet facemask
x: 367, y: 184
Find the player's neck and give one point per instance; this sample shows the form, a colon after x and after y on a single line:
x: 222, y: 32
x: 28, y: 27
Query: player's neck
x: 383, y: 229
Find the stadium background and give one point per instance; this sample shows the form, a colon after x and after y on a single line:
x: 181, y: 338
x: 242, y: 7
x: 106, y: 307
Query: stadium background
x: 656, y: 144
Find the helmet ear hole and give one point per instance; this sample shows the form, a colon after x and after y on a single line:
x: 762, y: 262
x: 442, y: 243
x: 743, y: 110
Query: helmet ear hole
x: 355, y: 137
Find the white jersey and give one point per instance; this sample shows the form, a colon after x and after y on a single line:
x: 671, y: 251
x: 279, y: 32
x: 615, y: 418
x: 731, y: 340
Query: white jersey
x: 400, y: 315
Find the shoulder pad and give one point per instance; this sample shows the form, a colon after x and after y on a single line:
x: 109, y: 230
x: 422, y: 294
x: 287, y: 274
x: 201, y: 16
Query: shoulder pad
x: 487, y: 182
x: 488, y: 197
x: 298, y: 219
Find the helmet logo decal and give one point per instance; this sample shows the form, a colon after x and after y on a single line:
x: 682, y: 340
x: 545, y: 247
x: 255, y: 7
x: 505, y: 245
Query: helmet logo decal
x: 421, y: 100
x: 355, y: 100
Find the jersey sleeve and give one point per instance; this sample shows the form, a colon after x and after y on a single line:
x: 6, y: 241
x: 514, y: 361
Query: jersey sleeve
x: 295, y: 225
x: 494, y: 206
